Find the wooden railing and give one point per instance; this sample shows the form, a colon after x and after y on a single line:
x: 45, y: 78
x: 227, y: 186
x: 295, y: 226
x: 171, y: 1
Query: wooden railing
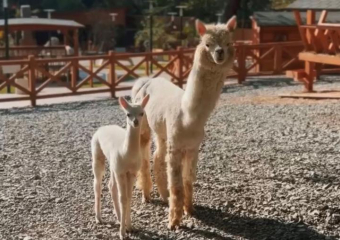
x: 266, y: 59
x: 110, y: 73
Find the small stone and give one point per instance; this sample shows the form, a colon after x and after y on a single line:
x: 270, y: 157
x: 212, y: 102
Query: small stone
x: 336, y: 218
x: 190, y: 225
x: 99, y: 235
x: 36, y: 177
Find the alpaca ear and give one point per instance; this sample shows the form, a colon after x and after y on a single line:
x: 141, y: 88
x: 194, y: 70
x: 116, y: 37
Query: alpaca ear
x: 123, y: 103
x: 145, y: 101
x: 231, y: 24
x: 200, y: 28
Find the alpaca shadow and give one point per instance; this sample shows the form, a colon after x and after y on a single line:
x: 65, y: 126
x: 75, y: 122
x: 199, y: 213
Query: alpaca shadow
x: 147, y: 235
x: 136, y: 233
x: 252, y: 228
x: 323, y: 179
x: 159, y: 202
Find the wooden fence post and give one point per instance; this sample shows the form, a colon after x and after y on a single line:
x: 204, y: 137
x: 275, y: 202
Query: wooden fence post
x: 147, y: 64
x: 309, y: 69
x: 74, y: 78
x: 278, y: 59
x: 91, y: 70
x: 112, y: 74
x: 241, y: 60
x: 32, y: 80
x: 318, y: 70
x: 180, y: 67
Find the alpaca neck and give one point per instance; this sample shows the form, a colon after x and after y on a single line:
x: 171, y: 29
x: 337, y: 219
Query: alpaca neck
x: 202, y: 92
x: 132, y: 142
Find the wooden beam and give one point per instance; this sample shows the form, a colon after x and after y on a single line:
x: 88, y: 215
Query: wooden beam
x: 335, y: 41
x: 309, y: 69
x: 66, y: 40
x: 310, y: 17
x: 310, y: 21
x: 319, y: 58
x: 302, y: 31
x: 323, y: 17
x: 76, y: 42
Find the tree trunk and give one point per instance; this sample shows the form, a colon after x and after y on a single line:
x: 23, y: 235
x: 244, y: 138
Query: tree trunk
x: 231, y: 9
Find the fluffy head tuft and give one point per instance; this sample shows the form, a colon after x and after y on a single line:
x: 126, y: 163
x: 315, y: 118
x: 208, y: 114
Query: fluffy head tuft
x: 134, y: 112
x: 216, y: 47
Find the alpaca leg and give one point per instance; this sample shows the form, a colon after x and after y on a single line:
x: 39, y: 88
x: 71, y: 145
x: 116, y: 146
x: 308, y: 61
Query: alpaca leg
x: 174, y: 170
x: 122, y: 190
x: 189, y: 177
x: 144, y: 181
x: 160, y: 169
x: 98, y: 167
x: 130, y: 182
x: 114, y: 195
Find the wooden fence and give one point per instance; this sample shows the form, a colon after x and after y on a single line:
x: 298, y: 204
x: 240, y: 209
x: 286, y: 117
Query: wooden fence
x: 77, y: 74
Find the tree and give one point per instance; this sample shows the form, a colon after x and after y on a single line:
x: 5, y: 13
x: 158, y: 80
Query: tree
x: 103, y: 31
x: 205, y: 10
x: 277, y: 4
x: 160, y: 38
x: 230, y: 9
x: 63, y: 5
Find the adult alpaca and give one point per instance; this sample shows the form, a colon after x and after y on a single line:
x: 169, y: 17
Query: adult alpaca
x: 178, y: 117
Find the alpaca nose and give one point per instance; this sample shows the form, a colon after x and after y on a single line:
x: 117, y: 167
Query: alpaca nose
x: 135, y: 122
x: 219, y: 51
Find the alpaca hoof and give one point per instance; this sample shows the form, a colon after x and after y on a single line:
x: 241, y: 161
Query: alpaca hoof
x: 174, y: 224
x: 146, y: 199
x: 130, y: 229
x: 189, y: 211
x: 122, y: 235
x: 165, y: 199
x: 99, y: 220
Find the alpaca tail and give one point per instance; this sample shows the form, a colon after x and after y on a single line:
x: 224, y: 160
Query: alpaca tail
x: 139, y: 89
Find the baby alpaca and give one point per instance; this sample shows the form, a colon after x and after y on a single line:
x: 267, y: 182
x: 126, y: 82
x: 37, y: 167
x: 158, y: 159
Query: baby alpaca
x: 122, y: 149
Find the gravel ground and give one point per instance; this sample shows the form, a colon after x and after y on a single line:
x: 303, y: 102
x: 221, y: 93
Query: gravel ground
x: 269, y: 170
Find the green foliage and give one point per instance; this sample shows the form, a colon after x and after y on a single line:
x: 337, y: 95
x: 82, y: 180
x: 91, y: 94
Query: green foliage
x: 205, y: 10
x: 248, y: 7
x: 277, y: 4
x: 161, y: 39
x: 63, y: 5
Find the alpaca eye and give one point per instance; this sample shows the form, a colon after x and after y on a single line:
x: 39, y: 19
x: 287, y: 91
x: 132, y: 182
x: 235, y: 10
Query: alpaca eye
x: 128, y: 115
x: 207, y: 45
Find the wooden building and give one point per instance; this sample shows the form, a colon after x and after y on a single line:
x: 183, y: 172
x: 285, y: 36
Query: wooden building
x: 320, y: 34
x: 280, y: 26
x: 68, y: 28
